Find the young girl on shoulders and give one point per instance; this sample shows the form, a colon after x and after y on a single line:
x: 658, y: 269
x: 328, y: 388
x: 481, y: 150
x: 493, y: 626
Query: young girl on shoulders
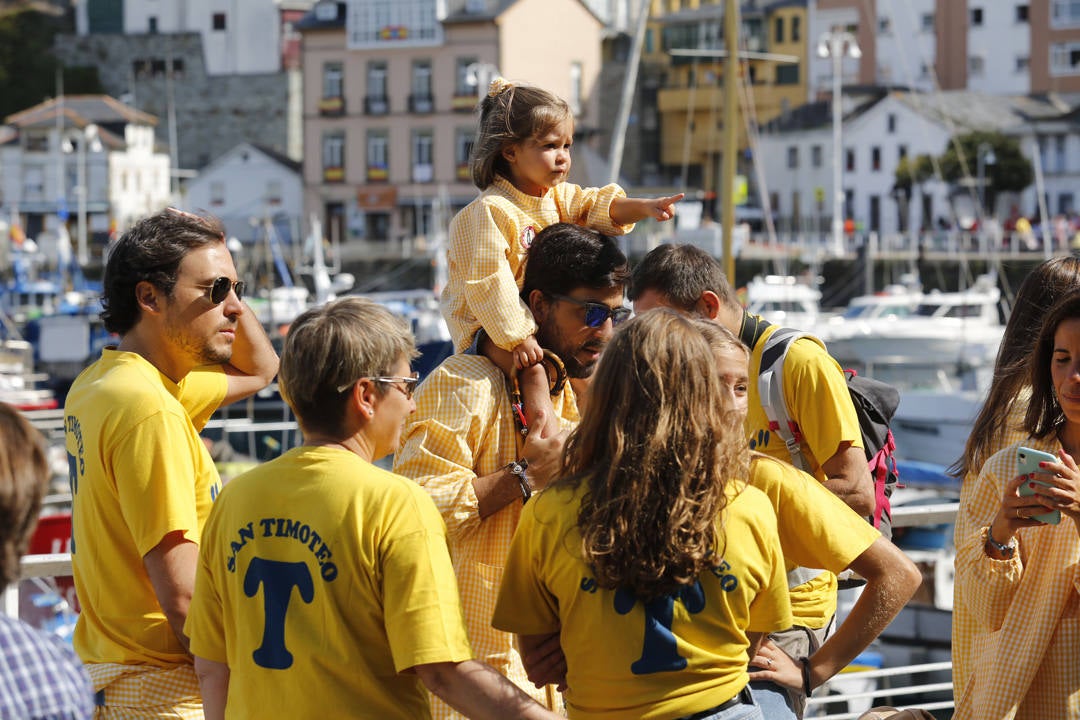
x: 520, y: 162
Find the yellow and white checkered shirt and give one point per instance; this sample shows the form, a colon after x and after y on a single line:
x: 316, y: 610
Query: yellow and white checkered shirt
x: 1016, y: 626
x: 145, y: 692
x: 489, y: 239
x: 463, y: 428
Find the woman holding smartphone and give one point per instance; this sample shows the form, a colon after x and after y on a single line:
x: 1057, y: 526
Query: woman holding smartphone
x: 1017, y: 576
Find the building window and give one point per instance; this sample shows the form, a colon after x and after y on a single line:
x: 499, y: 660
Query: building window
x: 976, y: 17
x: 273, y: 192
x: 332, y: 101
x: 793, y: 157
x: 927, y: 22
x: 423, y: 169
x: 384, y: 23
x: 778, y: 30
x: 1066, y: 203
x: 1022, y: 63
x: 151, y: 25
x: 217, y: 193
x: 901, y: 152
x: 157, y: 68
x: 976, y: 66
x: 849, y: 159
x: 890, y: 122
x: 466, y: 94
x: 378, y: 151
x: 333, y: 157
x: 219, y: 21
x: 1064, y: 13
x: 420, y: 100
x: 376, y: 102
x: 815, y: 156
x: 875, y: 158
x: 884, y: 26
x: 575, y: 88
x: 796, y: 29
x: 141, y: 69
x: 787, y: 74
x: 177, y: 67
x: 463, y: 145
x: 1021, y: 13
x: 1065, y: 58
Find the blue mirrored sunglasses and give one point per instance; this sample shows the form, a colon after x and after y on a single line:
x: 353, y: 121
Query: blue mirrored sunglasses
x: 596, y: 313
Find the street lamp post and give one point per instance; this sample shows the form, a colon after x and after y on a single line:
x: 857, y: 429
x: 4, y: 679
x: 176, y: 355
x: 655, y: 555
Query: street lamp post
x: 984, y: 155
x: 87, y: 136
x: 835, y: 44
x: 480, y: 75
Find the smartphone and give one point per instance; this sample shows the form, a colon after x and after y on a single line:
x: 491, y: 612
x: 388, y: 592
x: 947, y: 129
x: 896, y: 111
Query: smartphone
x: 1027, y: 461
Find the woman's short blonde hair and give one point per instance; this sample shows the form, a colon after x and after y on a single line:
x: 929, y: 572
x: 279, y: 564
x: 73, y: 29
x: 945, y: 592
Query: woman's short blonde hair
x: 335, y: 345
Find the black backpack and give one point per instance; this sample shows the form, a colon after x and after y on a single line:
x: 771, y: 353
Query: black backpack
x: 875, y: 404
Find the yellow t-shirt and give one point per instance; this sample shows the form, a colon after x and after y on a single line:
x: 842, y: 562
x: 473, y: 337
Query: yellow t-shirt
x: 486, y: 252
x: 321, y: 580
x: 627, y: 660
x: 817, y: 398
x: 817, y: 530
x: 138, y: 471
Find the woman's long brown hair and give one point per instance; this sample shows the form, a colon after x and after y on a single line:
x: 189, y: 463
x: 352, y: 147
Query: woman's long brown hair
x: 655, y: 450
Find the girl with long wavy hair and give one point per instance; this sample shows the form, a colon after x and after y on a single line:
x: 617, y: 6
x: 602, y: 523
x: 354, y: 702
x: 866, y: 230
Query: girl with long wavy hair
x: 651, y: 555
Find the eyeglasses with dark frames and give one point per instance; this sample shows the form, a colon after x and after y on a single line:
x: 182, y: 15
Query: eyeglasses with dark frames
x: 391, y: 380
x: 219, y: 289
x: 596, y: 313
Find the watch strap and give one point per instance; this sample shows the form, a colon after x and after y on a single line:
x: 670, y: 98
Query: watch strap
x: 517, y: 469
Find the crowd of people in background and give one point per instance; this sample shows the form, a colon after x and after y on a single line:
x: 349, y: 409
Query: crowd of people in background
x: 588, y: 513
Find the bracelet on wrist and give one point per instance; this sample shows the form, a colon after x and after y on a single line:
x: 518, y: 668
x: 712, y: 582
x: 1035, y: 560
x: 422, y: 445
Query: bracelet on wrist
x: 805, y: 663
x: 517, y: 469
x: 1006, y: 550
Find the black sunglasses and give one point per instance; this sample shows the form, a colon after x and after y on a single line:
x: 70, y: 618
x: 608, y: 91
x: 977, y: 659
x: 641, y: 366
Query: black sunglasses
x: 219, y: 289
x: 596, y: 313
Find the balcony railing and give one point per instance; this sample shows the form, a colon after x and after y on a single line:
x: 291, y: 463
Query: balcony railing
x: 376, y: 105
x: 333, y: 174
x: 332, y: 106
x: 421, y: 104
x: 423, y: 173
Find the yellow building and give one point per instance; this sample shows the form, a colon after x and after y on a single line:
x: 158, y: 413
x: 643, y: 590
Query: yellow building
x: 690, y: 103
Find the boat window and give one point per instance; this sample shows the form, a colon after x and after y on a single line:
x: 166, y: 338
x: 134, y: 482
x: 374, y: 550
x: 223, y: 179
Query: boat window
x: 857, y: 311
x: 927, y: 309
x: 968, y: 310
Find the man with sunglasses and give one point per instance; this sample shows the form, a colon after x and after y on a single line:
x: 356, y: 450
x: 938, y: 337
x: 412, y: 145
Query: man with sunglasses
x: 142, y: 480
x: 466, y: 443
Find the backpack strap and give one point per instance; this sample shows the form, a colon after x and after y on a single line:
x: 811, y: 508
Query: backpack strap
x: 771, y: 392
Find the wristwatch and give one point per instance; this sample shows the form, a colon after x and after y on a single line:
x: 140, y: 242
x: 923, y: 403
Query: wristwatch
x: 517, y: 469
x: 1005, y: 550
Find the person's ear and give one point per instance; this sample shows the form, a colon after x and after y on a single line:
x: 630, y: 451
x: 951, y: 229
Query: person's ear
x: 509, y: 152
x: 363, y: 397
x: 539, y: 305
x: 708, y: 305
x: 148, y: 296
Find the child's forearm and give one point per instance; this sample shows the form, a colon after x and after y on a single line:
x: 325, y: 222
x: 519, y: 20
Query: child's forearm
x: 627, y: 211
x: 503, y: 359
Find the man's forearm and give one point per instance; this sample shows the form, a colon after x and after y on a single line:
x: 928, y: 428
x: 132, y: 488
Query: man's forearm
x: 214, y: 686
x: 496, y: 491
x: 480, y: 692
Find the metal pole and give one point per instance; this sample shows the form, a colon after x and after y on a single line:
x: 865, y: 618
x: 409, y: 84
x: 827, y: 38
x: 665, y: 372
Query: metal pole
x: 731, y: 131
x: 618, y: 134
x: 81, y: 160
x: 836, y: 49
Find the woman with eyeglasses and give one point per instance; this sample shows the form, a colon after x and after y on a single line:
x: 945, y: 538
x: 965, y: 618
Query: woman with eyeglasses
x: 324, y: 583
x: 648, y: 556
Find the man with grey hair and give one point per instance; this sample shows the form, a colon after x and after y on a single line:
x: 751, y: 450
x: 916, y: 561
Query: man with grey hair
x: 142, y: 480
x: 325, y: 577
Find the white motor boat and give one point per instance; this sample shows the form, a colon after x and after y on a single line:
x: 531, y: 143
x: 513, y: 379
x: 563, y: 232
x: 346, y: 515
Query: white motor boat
x: 784, y: 300
x: 954, y: 333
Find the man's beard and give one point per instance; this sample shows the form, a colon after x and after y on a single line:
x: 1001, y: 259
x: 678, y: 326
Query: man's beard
x: 200, y: 349
x: 548, y: 337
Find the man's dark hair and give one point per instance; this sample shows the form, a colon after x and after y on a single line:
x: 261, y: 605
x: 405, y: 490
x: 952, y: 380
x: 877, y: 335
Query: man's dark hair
x: 564, y: 257
x: 151, y: 250
x: 682, y: 273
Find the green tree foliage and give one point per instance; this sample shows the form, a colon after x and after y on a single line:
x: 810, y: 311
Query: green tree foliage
x: 28, y: 66
x: 1010, y: 171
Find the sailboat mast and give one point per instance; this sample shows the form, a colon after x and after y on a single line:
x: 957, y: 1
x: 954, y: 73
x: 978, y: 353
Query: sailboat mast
x: 731, y: 133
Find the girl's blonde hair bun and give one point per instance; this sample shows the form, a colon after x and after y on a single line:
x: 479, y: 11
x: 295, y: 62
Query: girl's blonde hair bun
x: 498, y: 86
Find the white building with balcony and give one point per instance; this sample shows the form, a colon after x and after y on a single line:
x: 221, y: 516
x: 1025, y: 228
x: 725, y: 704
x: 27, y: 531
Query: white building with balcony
x: 87, y: 160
